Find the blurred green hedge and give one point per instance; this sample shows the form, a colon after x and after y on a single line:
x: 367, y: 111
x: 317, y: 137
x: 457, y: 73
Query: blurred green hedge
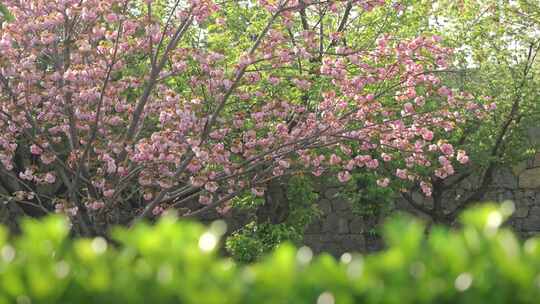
x: 177, y: 262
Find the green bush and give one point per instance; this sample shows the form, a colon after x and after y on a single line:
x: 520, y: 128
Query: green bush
x: 177, y: 262
x: 257, y: 238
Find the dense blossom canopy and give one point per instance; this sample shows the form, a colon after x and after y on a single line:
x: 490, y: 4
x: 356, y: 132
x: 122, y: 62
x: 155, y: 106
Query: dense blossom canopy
x: 119, y: 101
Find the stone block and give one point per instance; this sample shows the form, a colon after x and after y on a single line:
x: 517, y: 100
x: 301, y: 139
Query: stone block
x: 532, y: 221
x: 331, y: 193
x: 334, y: 249
x: 537, y: 197
x: 522, y: 207
x: 535, y: 211
x: 490, y: 196
x: 529, y: 197
x: 469, y: 183
x: 318, y: 186
x: 325, y: 206
x: 530, y: 179
x: 356, y: 225
x: 422, y: 199
x: 505, y: 196
x: 505, y: 178
x: 346, y: 214
x: 331, y: 223
x: 533, y: 134
x: 450, y: 205
x: 343, y: 226
x: 520, y: 167
x: 521, y: 211
x: 340, y: 204
x: 535, y: 162
x: 401, y: 203
x: 353, y: 243
x: 314, y: 227
x: 374, y: 244
x: 315, y: 242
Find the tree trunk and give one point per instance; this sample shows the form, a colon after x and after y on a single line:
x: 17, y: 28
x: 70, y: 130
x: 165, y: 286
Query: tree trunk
x: 276, y: 205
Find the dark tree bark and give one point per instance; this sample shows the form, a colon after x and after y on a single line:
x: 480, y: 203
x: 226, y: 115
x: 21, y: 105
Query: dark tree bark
x: 276, y: 205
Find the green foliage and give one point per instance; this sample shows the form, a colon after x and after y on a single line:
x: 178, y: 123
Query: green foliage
x: 176, y: 262
x: 5, y: 15
x: 255, y: 239
x: 366, y: 197
x: 247, y: 201
x: 496, y: 44
x: 302, y: 197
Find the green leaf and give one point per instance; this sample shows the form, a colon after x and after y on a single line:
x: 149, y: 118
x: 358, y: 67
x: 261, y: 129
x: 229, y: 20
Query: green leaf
x: 5, y: 15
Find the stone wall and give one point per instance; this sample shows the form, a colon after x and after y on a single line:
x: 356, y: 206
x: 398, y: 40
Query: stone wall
x: 339, y: 230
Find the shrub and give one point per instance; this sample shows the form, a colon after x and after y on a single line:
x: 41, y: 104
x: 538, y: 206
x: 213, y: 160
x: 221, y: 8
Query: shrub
x: 176, y: 262
x: 262, y: 236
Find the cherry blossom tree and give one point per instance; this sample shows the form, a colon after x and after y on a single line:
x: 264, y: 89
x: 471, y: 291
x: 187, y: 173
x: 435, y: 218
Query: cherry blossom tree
x: 121, y: 109
x: 502, y: 63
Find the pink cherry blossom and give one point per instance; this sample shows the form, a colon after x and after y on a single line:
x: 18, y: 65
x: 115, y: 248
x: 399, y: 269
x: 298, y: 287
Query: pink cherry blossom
x: 427, y: 134
x: 205, y: 199
x: 447, y: 149
x: 372, y: 164
x: 401, y: 173
x: 426, y: 188
x: 386, y: 157
x: 95, y: 205
x: 334, y: 160
x: 211, y: 186
x: 36, y: 150
x: 462, y: 157
x: 344, y: 176
x: 49, y: 178
x: 28, y: 174
x: 384, y: 182
x: 108, y: 193
x: 158, y: 210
